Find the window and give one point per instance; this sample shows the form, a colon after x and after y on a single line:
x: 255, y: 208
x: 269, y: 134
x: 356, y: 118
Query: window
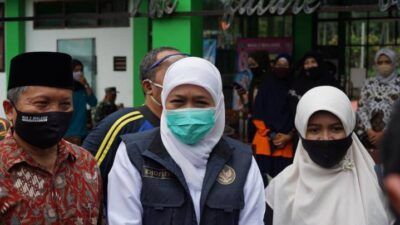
x: 365, y: 33
x: 328, y: 33
x: 275, y: 26
x: 49, y: 9
x: 77, y: 8
x: 366, y: 37
x: 78, y: 14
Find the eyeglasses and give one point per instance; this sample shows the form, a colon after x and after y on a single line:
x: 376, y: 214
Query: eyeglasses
x: 163, y: 59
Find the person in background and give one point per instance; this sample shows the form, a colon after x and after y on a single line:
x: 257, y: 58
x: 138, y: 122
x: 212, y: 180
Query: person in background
x: 331, y: 68
x: 332, y: 179
x: 259, y: 64
x: 378, y: 96
x: 4, y: 126
x: 105, y: 138
x: 107, y: 106
x: 391, y: 159
x: 313, y: 72
x: 43, y: 178
x: 273, y: 120
x: 186, y: 172
x: 83, y: 95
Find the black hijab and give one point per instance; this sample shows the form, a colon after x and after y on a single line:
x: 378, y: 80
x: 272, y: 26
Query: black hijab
x: 320, y: 76
x: 271, y: 103
x: 259, y: 73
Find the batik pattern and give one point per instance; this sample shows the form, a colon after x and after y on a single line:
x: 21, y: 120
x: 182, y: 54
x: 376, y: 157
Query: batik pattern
x: 376, y: 103
x: 30, y: 194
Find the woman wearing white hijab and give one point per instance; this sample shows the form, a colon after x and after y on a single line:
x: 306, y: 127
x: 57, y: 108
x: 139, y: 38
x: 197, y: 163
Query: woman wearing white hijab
x: 332, y: 179
x: 378, y: 96
x: 186, y: 172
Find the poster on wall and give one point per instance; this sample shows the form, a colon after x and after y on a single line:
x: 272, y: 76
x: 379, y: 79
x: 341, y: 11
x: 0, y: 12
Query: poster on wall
x: 210, y: 50
x: 247, y: 46
x: 273, y: 46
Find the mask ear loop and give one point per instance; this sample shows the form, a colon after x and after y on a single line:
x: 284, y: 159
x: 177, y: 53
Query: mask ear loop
x: 154, y: 83
x: 155, y: 101
x: 12, y: 122
x: 151, y: 96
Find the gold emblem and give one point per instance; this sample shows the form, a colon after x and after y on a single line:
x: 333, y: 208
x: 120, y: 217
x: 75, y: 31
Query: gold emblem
x: 157, y: 173
x: 227, y: 175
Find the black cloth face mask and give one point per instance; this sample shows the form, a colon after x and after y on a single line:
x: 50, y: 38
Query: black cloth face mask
x: 327, y: 153
x: 42, y: 130
x: 281, y: 73
x: 313, y: 72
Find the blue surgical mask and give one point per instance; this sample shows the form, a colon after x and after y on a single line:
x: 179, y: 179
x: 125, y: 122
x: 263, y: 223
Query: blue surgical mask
x: 190, y: 125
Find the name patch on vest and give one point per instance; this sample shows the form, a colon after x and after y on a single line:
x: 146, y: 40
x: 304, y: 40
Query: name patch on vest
x: 227, y: 175
x: 157, y: 173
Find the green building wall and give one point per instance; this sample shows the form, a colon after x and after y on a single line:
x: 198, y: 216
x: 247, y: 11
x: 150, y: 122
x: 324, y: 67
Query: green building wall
x: 14, y: 32
x: 140, y: 48
x: 302, y: 35
x: 182, y: 32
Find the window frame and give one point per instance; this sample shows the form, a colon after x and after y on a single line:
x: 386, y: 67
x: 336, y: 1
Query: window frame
x: 66, y: 17
x: 392, y: 15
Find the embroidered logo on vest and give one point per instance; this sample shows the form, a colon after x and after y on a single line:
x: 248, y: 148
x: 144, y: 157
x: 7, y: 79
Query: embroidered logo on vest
x: 157, y: 173
x: 227, y: 175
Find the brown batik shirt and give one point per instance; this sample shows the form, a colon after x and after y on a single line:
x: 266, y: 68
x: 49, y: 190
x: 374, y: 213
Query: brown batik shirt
x: 31, y: 194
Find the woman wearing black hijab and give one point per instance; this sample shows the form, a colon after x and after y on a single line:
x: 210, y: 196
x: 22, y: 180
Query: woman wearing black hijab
x: 273, y: 120
x: 259, y: 64
x: 313, y: 73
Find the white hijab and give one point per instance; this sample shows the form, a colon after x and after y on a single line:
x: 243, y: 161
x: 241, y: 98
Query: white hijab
x: 393, y: 57
x: 192, y: 159
x: 307, y: 194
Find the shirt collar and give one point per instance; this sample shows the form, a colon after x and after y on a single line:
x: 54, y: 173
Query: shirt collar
x: 12, y: 154
x: 67, y: 151
x: 150, y: 116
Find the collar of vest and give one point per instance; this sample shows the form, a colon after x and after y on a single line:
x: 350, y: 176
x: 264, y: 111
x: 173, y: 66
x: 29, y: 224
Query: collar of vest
x: 222, y: 149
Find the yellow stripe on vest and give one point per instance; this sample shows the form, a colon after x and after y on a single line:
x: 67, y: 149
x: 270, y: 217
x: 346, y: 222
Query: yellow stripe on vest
x: 115, y: 135
x: 111, y: 131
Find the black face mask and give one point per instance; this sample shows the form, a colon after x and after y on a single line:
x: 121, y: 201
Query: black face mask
x: 327, y: 153
x: 313, y: 72
x: 42, y: 130
x: 281, y: 73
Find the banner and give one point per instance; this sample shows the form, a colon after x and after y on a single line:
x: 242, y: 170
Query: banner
x: 273, y: 46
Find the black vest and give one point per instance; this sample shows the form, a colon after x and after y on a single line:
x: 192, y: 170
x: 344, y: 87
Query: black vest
x: 165, y: 196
